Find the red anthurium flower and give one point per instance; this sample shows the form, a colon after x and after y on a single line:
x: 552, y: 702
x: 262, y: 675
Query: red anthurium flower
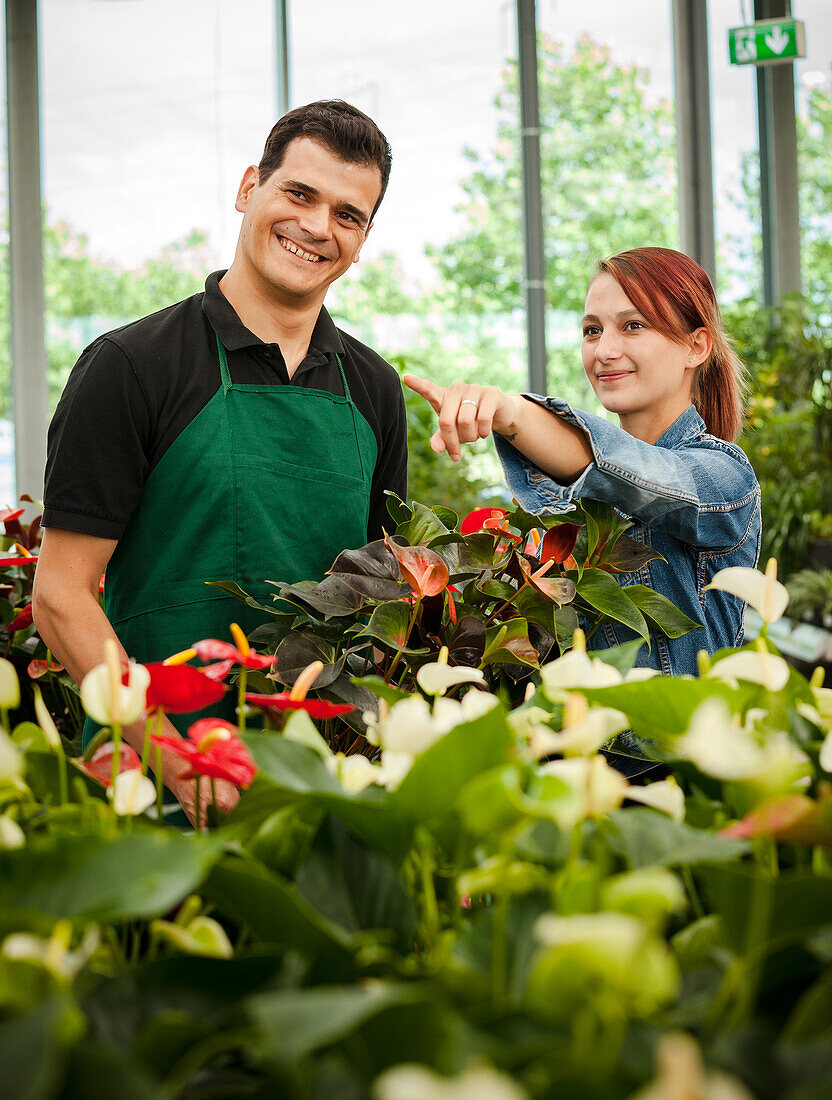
x: 8, y: 515
x: 219, y: 670
x: 30, y: 559
x: 296, y: 698
x: 423, y: 569
x: 451, y: 604
x: 101, y: 765
x: 36, y: 669
x: 559, y: 542
x: 212, y: 649
x: 180, y: 689
x: 488, y: 519
x: 21, y: 620
x: 315, y: 708
x: 214, y: 749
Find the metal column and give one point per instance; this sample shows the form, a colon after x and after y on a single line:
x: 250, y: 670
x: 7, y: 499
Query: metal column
x: 535, y: 264
x: 29, y: 386
x: 281, y: 57
x: 693, y: 132
x: 778, y: 169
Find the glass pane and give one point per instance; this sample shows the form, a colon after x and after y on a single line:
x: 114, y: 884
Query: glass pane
x: 151, y: 113
x: 608, y: 154
x: 6, y: 424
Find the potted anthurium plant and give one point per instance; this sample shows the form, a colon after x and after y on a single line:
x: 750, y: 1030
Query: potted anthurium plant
x: 501, y: 592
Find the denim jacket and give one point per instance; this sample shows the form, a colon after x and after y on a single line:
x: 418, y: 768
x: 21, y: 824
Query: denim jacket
x: 692, y: 497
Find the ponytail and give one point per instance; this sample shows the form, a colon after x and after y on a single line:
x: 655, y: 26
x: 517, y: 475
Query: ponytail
x: 719, y: 389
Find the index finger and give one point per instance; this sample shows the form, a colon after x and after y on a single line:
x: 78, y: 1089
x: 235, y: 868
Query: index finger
x: 429, y: 390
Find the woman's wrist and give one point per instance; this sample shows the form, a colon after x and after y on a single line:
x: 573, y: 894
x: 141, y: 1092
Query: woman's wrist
x: 507, y: 418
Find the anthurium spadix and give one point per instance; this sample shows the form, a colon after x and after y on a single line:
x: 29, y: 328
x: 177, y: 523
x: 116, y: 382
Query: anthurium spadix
x: 107, y: 699
x: 762, y: 591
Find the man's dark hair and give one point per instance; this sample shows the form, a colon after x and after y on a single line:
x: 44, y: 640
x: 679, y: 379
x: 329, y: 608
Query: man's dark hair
x: 343, y: 129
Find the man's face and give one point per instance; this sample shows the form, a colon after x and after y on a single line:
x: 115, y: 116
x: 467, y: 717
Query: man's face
x: 305, y: 224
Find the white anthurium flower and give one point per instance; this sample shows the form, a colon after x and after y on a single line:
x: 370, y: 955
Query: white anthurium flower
x: 576, y: 670
x: 132, y: 793
x: 46, y: 723
x: 825, y: 758
x: 665, y: 795
x: 762, y: 591
x: 719, y: 746
x: 416, y: 1082
x: 636, y: 675
x: 52, y: 953
x: 355, y: 771
x: 106, y: 699
x: 201, y: 936
x: 437, y: 678
x: 758, y: 666
x: 12, y: 761
x: 411, y: 726
x: 682, y: 1074
x: 394, y: 767
x: 9, y: 685
x: 11, y: 835
x: 596, y: 787
x: 582, y: 737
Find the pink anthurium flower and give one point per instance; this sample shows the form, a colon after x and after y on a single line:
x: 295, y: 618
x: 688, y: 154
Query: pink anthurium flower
x: 100, y: 767
x: 212, y: 649
x: 423, y: 569
x: 36, y: 669
x: 180, y: 689
x: 296, y: 698
x: 212, y: 748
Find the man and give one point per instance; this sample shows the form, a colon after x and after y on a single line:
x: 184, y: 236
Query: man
x: 235, y: 435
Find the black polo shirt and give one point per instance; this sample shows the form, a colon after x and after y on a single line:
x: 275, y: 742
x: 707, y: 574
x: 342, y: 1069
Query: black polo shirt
x: 134, y: 390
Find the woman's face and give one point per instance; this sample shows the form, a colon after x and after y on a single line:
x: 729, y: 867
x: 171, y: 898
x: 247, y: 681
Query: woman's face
x: 635, y: 371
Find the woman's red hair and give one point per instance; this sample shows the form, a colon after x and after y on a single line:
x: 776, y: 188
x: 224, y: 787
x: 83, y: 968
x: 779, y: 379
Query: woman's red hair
x: 675, y: 295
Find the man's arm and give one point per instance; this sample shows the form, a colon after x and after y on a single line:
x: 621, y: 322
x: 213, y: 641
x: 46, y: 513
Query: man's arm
x: 70, y: 620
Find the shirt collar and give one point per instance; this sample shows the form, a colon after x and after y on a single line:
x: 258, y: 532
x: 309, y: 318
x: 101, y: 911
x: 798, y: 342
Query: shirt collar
x: 687, y: 426
x: 234, y: 335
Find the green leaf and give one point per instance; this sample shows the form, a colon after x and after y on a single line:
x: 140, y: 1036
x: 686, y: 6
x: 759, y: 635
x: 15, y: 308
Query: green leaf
x: 301, y: 729
x: 299, y: 649
x: 645, y: 837
x: 381, y: 688
x: 120, y: 877
x: 753, y: 904
x: 30, y: 737
x: 233, y: 589
x: 356, y: 887
x: 299, y: 1022
x: 622, y: 657
x: 627, y: 555
x: 33, y: 1049
x: 388, y: 623
x: 396, y: 507
x: 663, y: 706
x: 447, y: 515
x: 508, y: 644
x: 330, y: 597
x: 274, y: 911
x: 422, y: 526
x: 602, y: 592
x: 669, y: 619
x: 566, y: 623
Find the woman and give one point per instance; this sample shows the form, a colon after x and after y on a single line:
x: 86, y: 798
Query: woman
x: 656, y: 354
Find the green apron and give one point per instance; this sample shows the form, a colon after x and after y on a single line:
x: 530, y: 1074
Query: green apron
x: 266, y: 482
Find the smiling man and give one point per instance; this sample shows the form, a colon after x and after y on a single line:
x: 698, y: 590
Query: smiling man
x: 238, y: 435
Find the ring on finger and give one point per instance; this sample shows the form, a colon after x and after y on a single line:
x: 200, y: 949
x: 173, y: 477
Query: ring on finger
x: 468, y: 401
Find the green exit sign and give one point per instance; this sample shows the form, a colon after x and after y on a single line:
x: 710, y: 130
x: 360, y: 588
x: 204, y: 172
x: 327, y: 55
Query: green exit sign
x: 767, y: 42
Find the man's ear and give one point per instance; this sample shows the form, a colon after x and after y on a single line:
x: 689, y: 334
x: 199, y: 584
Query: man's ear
x: 357, y: 256
x: 247, y: 185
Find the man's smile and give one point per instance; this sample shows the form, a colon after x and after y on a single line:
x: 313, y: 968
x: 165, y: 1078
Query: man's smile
x: 296, y: 250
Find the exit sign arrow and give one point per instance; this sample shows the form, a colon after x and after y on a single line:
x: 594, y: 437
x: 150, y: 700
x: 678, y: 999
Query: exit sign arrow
x: 768, y: 42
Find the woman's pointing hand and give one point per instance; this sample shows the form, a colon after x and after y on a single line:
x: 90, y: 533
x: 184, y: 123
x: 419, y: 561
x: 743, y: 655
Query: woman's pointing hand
x: 466, y: 413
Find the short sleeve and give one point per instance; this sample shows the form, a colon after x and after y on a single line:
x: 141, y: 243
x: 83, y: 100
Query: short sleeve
x: 98, y: 445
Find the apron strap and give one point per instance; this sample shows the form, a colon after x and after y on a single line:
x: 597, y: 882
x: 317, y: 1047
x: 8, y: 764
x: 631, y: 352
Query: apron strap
x: 224, y: 372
